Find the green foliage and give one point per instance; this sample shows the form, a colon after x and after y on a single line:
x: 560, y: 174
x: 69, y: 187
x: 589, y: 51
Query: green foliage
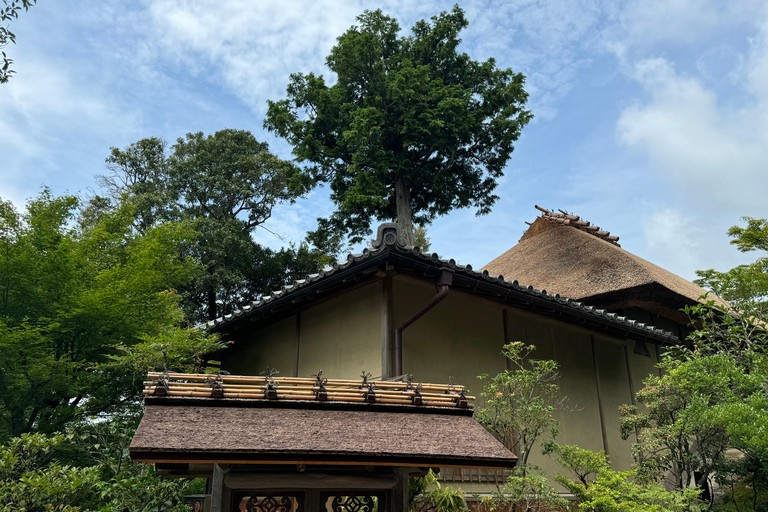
x: 530, y: 491
x: 710, y: 399
x: 677, y: 430
x: 426, y: 493
x: 518, y: 404
x: 582, y: 463
x: 31, y: 479
x: 615, y: 491
x: 174, y: 350
x: 421, y: 239
x: 10, y: 11
x: 745, y: 286
x: 67, y: 296
x: 225, y: 186
x: 741, y: 496
x: 411, y: 128
x: 600, y: 489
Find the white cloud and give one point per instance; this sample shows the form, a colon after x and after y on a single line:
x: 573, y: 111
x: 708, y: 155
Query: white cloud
x: 682, y: 241
x: 634, y: 25
x: 715, y: 152
x: 673, y: 239
x: 253, y: 45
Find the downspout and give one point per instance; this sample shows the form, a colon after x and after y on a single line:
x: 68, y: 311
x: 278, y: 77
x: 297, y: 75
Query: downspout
x: 444, y: 281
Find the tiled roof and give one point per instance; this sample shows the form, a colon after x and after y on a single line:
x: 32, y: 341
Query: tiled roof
x: 386, y: 247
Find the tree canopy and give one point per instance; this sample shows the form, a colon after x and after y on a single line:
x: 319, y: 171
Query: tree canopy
x: 68, y: 296
x: 225, y: 185
x: 410, y: 130
x: 746, y: 286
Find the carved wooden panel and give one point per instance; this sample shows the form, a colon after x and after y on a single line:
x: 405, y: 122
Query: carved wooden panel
x: 353, y: 501
x: 259, y: 501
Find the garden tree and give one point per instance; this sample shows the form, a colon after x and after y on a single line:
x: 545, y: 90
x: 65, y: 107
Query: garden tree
x: 226, y: 185
x: 676, y: 432
x: 141, y: 172
x: 580, y: 462
x: 528, y: 490
x: 598, y: 488
x: 67, y: 297
x: 9, y: 11
x: 229, y: 182
x: 518, y: 404
x: 31, y: 481
x: 710, y: 398
x: 745, y: 286
x: 410, y: 129
x: 421, y: 239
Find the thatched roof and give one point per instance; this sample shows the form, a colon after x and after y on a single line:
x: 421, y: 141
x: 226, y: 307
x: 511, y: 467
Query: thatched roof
x: 179, y: 430
x: 571, y: 261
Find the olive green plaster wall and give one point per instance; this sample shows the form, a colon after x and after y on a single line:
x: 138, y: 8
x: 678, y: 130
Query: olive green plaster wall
x: 615, y: 391
x: 273, y: 346
x: 461, y: 337
x: 342, y: 336
x: 571, y: 347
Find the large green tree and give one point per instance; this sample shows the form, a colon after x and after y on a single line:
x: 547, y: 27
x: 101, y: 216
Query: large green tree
x: 410, y: 129
x: 68, y: 296
x: 226, y: 185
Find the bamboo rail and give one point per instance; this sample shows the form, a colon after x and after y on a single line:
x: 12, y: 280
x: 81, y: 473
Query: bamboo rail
x: 203, y: 385
x: 301, y: 380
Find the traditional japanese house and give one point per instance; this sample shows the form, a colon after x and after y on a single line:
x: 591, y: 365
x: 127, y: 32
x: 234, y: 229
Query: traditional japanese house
x: 393, y: 311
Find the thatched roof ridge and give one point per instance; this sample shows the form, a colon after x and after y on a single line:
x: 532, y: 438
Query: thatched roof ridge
x: 187, y: 432
x: 587, y: 268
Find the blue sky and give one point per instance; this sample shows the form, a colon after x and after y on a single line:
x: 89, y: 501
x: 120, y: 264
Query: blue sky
x: 651, y: 115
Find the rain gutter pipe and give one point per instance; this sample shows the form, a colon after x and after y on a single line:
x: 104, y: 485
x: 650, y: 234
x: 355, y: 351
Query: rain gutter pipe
x: 444, y: 281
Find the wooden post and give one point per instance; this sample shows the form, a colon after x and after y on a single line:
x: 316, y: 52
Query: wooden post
x: 399, y: 493
x: 217, y: 489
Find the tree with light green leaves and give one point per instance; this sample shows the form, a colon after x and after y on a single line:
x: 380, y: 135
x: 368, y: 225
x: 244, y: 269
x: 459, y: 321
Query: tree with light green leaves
x: 518, y: 405
x: 69, y: 296
x: 745, y: 286
x: 600, y: 489
x: 702, y: 420
x: 411, y: 128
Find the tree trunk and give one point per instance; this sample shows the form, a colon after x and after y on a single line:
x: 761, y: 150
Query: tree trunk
x: 211, y: 304
x: 404, y: 213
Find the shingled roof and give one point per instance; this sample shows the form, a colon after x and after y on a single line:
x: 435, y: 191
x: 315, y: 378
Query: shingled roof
x: 386, y: 251
x: 248, y: 420
x: 559, y: 254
